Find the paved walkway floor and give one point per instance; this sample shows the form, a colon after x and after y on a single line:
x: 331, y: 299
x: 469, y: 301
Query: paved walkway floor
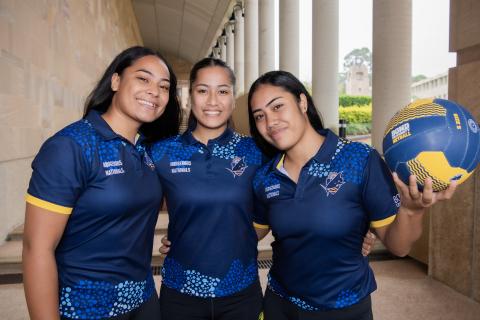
x: 404, y: 292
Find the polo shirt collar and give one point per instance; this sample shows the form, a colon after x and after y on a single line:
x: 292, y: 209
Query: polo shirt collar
x: 328, y: 148
x: 101, y: 126
x: 223, y: 139
x: 324, y: 154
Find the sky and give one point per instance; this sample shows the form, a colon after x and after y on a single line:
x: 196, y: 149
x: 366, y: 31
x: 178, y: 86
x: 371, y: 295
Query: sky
x: 430, y: 33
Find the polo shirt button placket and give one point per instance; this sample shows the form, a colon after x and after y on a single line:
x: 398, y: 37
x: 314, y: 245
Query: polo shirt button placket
x: 136, y: 157
x: 301, y: 183
x: 208, y: 159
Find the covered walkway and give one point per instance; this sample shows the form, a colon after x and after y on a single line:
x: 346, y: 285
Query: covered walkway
x: 51, y: 52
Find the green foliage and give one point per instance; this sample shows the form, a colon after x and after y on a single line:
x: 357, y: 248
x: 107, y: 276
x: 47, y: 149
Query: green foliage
x: 358, y: 57
x: 355, y: 129
x: 359, y: 119
x: 356, y: 114
x: 341, y: 88
x: 347, y: 101
x: 342, y: 76
x: 418, y: 77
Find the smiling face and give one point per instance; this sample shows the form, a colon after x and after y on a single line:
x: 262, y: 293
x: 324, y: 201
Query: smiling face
x: 279, y: 116
x: 212, y: 100
x: 142, y: 90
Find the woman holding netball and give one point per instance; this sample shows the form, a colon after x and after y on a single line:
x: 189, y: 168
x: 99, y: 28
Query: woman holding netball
x: 319, y: 195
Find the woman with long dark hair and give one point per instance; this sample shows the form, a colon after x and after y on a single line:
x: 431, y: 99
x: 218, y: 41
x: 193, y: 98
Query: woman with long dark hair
x: 94, y: 198
x: 320, y: 194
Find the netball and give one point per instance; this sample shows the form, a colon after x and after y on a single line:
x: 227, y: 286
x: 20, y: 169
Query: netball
x: 432, y: 137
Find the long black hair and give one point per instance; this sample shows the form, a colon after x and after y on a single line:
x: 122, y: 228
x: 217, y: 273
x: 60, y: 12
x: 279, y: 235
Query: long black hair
x: 101, y: 96
x: 206, y: 63
x: 289, y: 83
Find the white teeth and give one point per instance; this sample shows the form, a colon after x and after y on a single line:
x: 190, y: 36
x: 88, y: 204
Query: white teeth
x: 147, y: 103
x: 212, y: 113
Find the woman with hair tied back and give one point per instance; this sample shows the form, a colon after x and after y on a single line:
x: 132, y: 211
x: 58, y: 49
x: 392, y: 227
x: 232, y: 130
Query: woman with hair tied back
x: 207, y: 172
x: 94, y: 198
x: 319, y: 195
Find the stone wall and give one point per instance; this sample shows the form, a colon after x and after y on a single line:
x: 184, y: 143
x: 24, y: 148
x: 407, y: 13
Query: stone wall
x: 52, y: 52
x: 455, y: 225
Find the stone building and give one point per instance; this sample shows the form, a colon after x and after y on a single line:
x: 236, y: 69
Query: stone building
x: 434, y: 87
x: 357, y: 81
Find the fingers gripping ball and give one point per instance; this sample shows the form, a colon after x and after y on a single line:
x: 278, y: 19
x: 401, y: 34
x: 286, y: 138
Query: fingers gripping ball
x: 432, y: 137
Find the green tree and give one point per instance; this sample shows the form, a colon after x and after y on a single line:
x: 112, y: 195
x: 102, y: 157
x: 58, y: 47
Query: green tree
x: 418, y: 77
x: 342, y: 77
x: 357, y: 57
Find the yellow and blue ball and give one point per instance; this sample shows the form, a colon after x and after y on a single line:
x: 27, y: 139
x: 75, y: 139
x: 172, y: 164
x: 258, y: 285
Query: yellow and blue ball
x: 432, y: 137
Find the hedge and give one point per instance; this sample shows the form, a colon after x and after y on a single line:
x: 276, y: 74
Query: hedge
x: 356, y: 114
x: 347, y: 101
x: 355, y: 129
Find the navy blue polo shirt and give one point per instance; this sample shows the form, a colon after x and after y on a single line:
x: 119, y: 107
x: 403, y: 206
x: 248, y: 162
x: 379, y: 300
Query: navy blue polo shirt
x: 208, y: 189
x: 112, y: 194
x: 319, y: 223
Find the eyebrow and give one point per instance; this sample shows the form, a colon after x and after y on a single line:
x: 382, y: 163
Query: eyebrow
x: 206, y: 85
x: 146, y: 71
x: 269, y: 103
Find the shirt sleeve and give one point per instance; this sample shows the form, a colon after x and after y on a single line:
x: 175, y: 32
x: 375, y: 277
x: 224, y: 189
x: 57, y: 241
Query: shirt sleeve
x: 59, y: 175
x: 380, y: 196
x: 260, y: 216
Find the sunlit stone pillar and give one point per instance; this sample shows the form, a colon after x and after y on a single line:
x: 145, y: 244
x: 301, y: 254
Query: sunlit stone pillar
x: 325, y: 60
x: 290, y: 36
x: 391, y: 62
x: 251, y: 42
x: 266, y: 38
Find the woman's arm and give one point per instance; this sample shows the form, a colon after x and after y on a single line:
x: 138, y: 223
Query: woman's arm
x: 42, y: 232
x: 165, y: 248
x: 262, y: 232
x: 400, y: 235
x: 368, y: 243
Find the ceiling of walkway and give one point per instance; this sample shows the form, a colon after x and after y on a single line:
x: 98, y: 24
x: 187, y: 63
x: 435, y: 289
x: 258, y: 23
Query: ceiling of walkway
x: 182, y: 28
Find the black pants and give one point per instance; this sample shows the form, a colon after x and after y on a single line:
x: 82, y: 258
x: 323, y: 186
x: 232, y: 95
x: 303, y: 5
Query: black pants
x: 244, y: 305
x: 149, y: 310
x: 277, y: 308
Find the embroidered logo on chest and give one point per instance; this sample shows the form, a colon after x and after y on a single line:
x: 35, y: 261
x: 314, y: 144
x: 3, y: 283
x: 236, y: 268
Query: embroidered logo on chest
x: 113, y: 167
x: 333, y: 182
x: 272, y: 191
x: 149, y: 162
x: 180, y: 166
x: 237, y: 166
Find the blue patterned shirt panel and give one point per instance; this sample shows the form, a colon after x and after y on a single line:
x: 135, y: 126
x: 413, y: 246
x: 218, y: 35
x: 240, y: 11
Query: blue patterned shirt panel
x: 189, y: 281
x: 99, y: 299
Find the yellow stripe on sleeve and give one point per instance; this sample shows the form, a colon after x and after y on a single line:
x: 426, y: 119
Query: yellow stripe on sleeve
x: 382, y: 223
x: 47, y: 205
x: 261, y: 226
